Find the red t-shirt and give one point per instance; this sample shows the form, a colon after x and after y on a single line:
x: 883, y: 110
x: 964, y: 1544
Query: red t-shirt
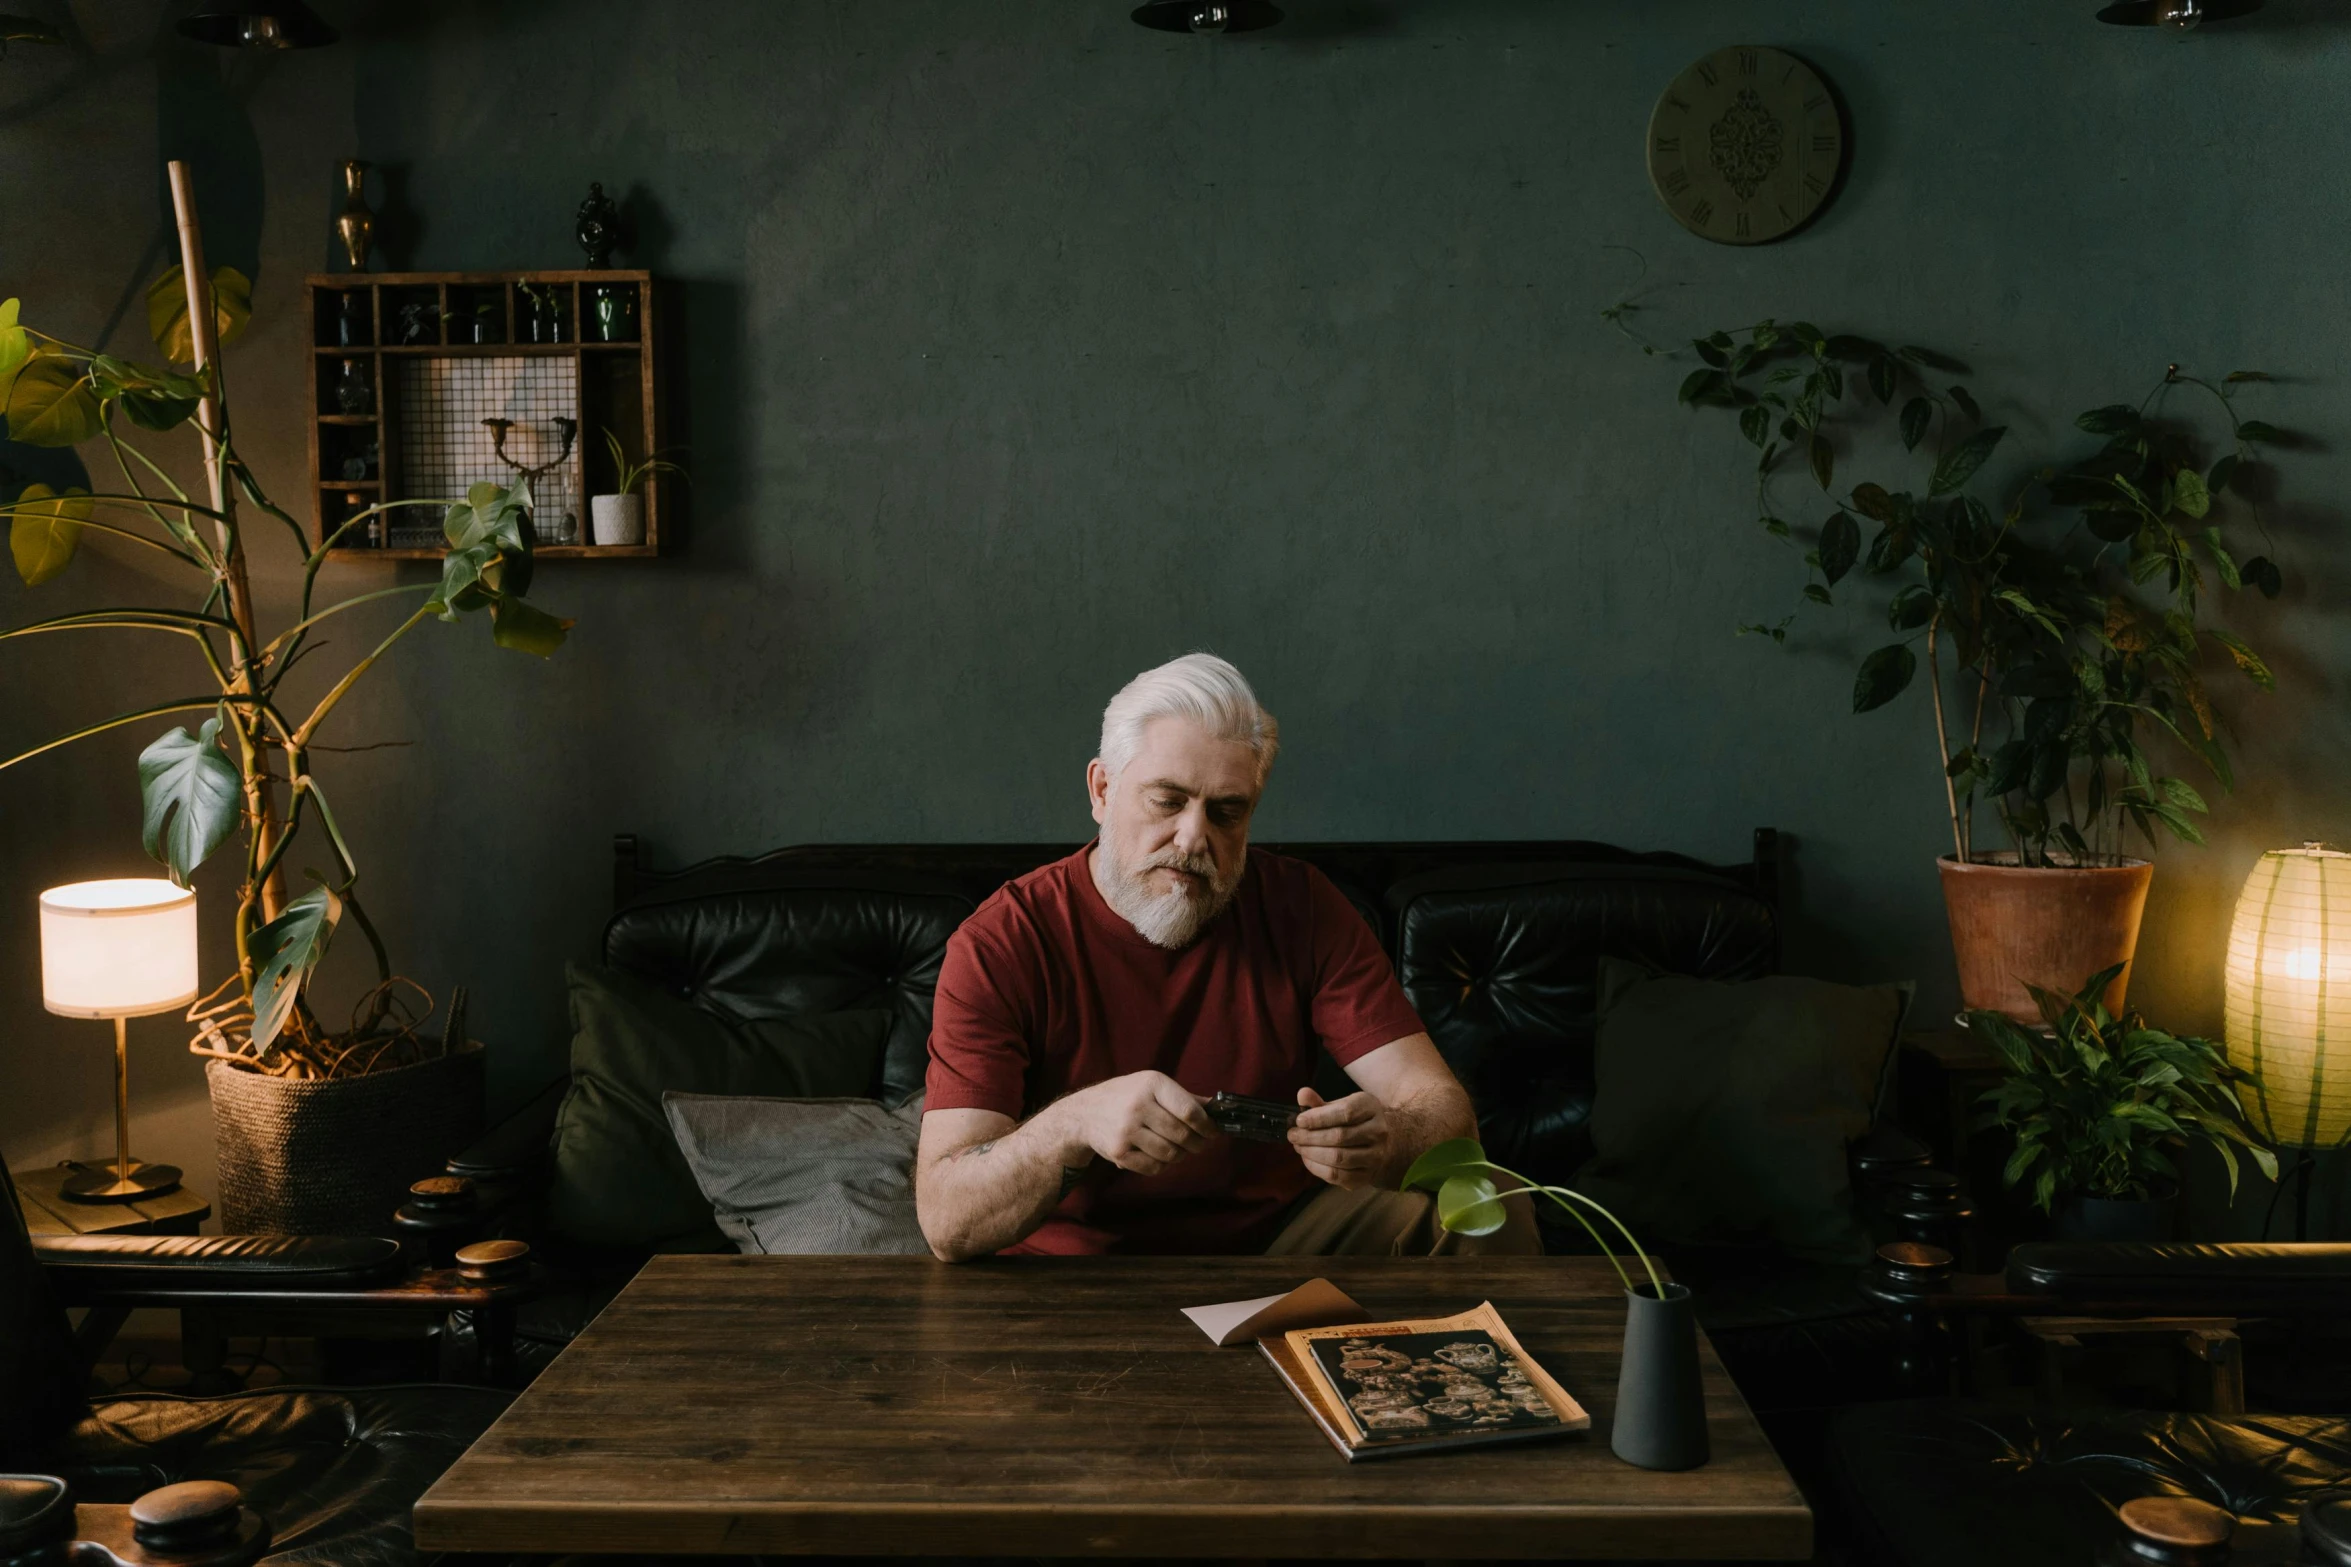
x: 1045, y: 989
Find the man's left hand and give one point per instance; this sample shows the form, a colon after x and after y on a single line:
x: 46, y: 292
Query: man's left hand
x: 1345, y: 1142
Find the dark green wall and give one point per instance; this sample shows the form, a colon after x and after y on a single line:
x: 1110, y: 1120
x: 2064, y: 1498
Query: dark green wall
x: 1023, y: 348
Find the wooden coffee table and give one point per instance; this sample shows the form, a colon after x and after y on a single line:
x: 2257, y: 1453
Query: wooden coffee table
x: 1062, y: 1407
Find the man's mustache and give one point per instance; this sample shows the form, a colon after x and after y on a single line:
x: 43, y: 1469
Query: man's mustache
x: 1200, y: 865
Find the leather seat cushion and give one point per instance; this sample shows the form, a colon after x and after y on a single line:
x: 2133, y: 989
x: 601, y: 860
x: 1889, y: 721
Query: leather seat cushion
x: 335, y: 1473
x: 224, y: 1261
x: 843, y: 944
x: 1502, y: 964
x: 1942, y: 1483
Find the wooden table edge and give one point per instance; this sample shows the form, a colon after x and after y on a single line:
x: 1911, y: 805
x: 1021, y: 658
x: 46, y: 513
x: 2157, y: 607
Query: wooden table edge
x: 1759, y: 1532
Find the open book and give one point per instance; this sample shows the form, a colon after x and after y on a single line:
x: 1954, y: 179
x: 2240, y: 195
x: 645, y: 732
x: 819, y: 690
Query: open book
x: 1386, y: 1389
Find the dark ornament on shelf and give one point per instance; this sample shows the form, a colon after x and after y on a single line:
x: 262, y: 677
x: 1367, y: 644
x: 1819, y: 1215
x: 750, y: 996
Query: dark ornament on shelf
x: 356, y: 226
x: 2178, y: 15
x: 355, y: 391
x: 1207, y: 17
x: 599, y: 226
x: 568, y: 429
x: 275, y: 24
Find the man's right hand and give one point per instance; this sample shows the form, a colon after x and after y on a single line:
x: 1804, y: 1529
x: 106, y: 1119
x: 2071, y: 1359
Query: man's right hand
x: 1142, y: 1122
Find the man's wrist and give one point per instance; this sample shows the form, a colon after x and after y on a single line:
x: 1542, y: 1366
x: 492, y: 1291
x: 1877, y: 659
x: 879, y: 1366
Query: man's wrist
x: 1062, y: 1133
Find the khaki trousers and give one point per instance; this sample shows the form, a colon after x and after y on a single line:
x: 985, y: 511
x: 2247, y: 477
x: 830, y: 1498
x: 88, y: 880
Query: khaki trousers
x: 1369, y: 1222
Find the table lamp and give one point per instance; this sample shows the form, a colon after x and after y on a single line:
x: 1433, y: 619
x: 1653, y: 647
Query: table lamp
x: 2289, y: 1004
x: 118, y: 949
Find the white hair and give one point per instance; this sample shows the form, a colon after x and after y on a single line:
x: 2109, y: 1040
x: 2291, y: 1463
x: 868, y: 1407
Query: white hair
x: 1200, y: 687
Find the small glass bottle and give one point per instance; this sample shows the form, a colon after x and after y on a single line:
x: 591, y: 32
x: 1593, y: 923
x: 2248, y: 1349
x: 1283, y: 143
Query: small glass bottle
x: 355, y: 392
x: 351, y: 324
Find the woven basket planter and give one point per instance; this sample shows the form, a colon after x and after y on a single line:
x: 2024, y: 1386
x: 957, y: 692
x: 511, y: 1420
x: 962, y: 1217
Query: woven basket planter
x: 336, y: 1156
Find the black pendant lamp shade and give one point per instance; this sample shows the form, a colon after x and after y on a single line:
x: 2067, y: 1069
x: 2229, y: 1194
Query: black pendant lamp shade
x: 267, y: 24
x: 2177, y: 14
x: 1207, y: 16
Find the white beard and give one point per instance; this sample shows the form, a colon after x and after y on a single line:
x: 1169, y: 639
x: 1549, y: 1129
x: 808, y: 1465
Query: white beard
x: 1173, y: 919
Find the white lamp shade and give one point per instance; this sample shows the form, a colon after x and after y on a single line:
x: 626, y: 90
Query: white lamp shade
x: 118, y: 948
x: 2289, y: 995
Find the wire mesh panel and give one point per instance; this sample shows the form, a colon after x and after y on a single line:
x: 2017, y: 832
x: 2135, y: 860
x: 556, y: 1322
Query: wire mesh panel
x: 445, y: 445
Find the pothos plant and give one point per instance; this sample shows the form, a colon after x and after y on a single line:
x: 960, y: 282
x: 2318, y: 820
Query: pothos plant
x: 250, y: 767
x: 1469, y: 1202
x: 2068, y: 610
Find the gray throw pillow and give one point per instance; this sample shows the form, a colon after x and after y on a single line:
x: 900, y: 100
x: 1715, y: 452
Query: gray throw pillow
x: 1721, y: 1112
x: 804, y: 1176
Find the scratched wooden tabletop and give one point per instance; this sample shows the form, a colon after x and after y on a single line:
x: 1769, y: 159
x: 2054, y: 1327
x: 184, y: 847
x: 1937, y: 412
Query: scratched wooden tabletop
x: 1060, y: 1407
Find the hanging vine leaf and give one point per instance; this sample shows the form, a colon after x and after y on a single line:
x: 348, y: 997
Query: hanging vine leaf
x: 51, y: 402
x: 1840, y: 546
x: 284, y: 953
x: 1885, y: 675
x: 16, y: 346
x: 193, y: 798
x: 44, y: 531
x: 167, y: 311
x: 1918, y: 416
x: 1824, y: 460
x: 1960, y: 463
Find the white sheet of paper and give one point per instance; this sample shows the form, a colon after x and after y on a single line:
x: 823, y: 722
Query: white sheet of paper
x: 1317, y: 1303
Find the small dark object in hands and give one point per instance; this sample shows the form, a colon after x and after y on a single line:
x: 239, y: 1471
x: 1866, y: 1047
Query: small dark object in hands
x: 1258, y: 1120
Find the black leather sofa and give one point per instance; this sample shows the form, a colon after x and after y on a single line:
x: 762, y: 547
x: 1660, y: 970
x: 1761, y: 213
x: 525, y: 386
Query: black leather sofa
x: 1497, y: 944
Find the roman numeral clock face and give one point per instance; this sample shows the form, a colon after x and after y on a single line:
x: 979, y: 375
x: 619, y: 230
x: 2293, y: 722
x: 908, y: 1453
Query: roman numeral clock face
x: 1746, y: 146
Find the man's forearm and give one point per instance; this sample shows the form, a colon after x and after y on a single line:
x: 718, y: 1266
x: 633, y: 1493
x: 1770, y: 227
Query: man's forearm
x: 982, y: 1198
x: 1426, y: 1119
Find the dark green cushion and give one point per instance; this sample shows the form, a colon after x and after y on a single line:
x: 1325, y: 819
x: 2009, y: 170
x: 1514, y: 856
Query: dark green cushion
x: 1722, y: 1112
x: 619, y: 1178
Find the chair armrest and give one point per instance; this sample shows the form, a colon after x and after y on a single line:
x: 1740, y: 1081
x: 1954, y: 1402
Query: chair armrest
x: 2176, y: 1276
x: 516, y: 1150
x: 258, y: 1263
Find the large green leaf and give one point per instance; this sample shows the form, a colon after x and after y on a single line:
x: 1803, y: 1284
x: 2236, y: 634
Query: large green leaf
x: 16, y: 346
x: 1840, y: 545
x: 1454, y: 1156
x: 1961, y: 462
x: 526, y: 628
x: 1884, y: 676
x: 2189, y: 493
x: 284, y: 953
x: 51, y: 402
x: 1468, y: 1205
x: 44, y: 530
x: 1918, y: 416
x: 167, y: 311
x: 193, y: 798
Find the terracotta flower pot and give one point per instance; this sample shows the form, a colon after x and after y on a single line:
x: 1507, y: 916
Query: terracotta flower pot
x: 2054, y: 926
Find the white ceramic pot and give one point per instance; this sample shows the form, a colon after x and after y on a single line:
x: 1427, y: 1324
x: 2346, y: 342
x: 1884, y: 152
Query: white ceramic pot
x: 618, y: 519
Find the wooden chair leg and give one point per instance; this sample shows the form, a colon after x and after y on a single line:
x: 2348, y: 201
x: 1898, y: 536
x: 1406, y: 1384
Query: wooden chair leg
x: 2223, y: 1357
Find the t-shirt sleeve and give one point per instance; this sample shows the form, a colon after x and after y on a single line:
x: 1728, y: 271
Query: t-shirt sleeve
x: 1358, y: 1005
x: 979, y: 1047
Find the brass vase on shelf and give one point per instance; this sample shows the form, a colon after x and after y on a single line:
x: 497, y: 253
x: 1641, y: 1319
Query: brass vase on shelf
x: 356, y: 226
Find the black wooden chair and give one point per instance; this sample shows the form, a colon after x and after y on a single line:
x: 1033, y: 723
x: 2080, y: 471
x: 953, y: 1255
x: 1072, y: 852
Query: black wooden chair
x: 332, y: 1473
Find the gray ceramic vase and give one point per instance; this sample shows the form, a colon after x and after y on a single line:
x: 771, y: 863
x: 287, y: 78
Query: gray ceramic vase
x: 1660, y: 1404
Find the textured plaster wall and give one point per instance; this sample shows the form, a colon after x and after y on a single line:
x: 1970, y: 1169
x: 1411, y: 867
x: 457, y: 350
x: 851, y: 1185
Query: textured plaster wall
x: 1022, y: 347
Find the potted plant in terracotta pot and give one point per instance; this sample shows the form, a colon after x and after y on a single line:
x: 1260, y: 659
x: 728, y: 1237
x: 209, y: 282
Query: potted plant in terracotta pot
x: 2062, y: 627
x: 322, y: 1122
x: 2099, y: 1103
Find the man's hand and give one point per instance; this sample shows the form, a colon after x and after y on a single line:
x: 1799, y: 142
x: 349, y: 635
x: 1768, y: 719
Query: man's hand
x: 1142, y: 1122
x: 1345, y: 1142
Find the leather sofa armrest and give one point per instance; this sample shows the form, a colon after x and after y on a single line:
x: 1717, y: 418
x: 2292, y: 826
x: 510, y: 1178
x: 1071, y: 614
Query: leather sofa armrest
x: 516, y: 1150
x: 213, y: 1263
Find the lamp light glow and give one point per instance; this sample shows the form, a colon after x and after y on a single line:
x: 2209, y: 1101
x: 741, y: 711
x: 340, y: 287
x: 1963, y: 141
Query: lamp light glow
x: 2289, y: 995
x: 123, y: 948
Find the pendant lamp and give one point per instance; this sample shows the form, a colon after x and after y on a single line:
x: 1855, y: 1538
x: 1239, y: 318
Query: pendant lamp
x: 2178, y: 15
x: 1206, y: 17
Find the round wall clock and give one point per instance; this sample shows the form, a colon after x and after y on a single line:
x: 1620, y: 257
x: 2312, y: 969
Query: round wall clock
x: 1746, y: 146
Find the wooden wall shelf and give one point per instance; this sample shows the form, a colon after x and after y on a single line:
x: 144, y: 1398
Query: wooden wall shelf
x: 388, y: 422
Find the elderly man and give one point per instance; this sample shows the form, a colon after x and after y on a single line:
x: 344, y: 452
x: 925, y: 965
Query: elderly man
x: 1086, y: 1010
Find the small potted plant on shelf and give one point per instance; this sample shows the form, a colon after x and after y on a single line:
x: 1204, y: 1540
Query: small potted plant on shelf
x: 2098, y: 1105
x: 619, y: 518
x: 1660, y: 1406
x: 2062, y: 627
x: 321, y: 1124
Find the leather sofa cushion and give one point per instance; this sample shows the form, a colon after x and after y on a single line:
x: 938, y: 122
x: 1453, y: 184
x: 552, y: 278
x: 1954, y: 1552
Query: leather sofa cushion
x: 1502, y: 964
x: 260, y: 1262
x: 851, y: 941
x: 1941, y: 1483
x: 335, y: 1473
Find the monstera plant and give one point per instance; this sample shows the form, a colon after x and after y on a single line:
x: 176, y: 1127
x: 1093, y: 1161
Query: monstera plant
x: 248, y: 770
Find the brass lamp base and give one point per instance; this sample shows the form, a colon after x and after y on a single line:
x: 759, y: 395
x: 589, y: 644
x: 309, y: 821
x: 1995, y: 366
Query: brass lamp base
x: 105, y: 1183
